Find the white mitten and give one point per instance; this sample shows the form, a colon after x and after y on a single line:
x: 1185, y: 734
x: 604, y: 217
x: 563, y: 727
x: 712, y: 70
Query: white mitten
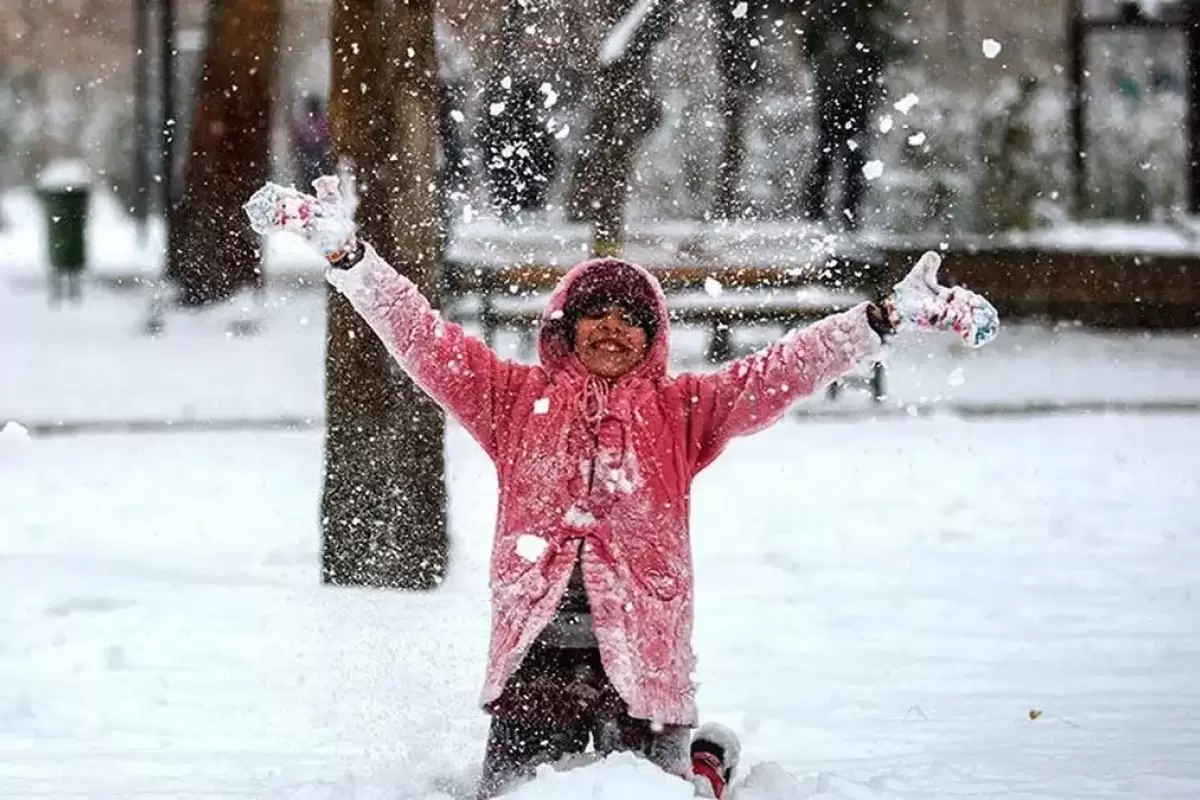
x: 919, y: 301
x: 325, y: 222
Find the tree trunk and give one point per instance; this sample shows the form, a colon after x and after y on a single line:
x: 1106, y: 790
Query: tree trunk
x: 737, y: 64
x: 212, y: 252
x: 624, y: 112
x: 383, y: 507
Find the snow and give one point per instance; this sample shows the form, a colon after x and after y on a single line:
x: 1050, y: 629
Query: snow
x: 879, y: 605
x: 64, y: 174
x: 916, y: 139
x: 621, y: 777
x: 14, y: 432
x: 617, y: 42
x: 541, y: 405
x: 907, y: 103
x: 713, y: 287
x: 739, y: 10
x: 991, y: 48
x: 530, y: 547
x: 873, y: 169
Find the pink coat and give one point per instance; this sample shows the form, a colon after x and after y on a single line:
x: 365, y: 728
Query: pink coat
x: 597, y: 471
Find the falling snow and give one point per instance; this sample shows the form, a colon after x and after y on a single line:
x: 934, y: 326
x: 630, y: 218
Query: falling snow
x: 907, y: 103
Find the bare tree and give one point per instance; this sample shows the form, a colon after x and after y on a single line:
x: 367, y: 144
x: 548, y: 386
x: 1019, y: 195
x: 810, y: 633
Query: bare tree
x: 212, y: 255
x: 384, y: 501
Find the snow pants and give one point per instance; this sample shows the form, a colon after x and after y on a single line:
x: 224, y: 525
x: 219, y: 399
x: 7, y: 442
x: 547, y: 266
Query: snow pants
x: 556, y: 702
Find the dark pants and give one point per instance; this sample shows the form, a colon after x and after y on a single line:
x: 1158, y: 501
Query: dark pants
x: 556, y: 702
x: 843, y: 114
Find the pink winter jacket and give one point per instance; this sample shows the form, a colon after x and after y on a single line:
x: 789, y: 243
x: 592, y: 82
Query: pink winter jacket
x: 595, y: 471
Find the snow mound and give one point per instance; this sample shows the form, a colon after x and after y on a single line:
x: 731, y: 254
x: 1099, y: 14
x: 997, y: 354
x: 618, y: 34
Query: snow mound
x: 621, y: 776
x: 14, y: 431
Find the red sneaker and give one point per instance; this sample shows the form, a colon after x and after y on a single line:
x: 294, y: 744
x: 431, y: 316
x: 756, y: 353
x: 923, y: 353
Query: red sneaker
x: 715, y: 752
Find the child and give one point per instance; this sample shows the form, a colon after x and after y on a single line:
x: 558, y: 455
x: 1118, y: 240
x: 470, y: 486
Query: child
x: 595, y: 450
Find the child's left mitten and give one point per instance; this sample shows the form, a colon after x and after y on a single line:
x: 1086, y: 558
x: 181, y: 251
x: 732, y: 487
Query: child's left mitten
x: 920, y: 302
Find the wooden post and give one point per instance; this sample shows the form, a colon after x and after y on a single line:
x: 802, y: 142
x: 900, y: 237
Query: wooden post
x: 1076, y: 103
x: 1192, y: 33
x: 141, y: 80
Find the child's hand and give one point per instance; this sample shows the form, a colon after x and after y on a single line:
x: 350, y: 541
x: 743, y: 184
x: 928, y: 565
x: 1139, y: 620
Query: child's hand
x: 919, y: 301
x: 325, y: 222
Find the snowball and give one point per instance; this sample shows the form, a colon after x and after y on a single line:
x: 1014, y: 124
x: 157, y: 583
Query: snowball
x: 957, y: 377
x: 530, y: 547
x: 713, y: 287
x: 917, y: 139
x: 873, y: 169
x: 496, y: 109
x: 991, y: 48
x: 551, y: 95
x: 457, y: 115
x: 739, y: 11
x: 562, y: 132
x: 14, y: 431
x: 506, y: 81
x: 541, y: 405
x: 907, y: 103
x: 886, y: 123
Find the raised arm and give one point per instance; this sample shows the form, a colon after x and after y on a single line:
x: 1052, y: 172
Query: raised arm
x: 749, y: 394
x: 461, y: 373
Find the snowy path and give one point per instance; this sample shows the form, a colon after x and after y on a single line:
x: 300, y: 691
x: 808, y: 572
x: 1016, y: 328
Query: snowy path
x: 864, y: 614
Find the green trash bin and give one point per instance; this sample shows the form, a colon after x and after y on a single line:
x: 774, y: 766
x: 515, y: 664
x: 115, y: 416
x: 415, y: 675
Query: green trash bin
x: 65, y: 190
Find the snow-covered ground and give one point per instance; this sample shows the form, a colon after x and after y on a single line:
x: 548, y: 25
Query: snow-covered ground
x: 880, y: 606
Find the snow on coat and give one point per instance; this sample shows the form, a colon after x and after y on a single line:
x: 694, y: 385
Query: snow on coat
x: 598, y: 471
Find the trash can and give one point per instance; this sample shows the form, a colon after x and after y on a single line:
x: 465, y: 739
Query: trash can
x: 65, y: 189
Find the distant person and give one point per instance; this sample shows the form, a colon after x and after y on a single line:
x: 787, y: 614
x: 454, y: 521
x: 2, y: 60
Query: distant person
x: 848, y: 44
x: 311, y: 142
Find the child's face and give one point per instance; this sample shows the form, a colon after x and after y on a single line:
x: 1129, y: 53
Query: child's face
x: 608, y: 341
